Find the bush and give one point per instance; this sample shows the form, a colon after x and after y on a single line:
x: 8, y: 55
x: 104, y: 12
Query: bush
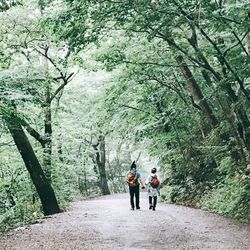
x: 231, y: 199
x: 20, y: 215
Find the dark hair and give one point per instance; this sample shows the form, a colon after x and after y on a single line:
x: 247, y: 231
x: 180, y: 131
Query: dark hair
x: 153, y: 170
x: 133, y: 165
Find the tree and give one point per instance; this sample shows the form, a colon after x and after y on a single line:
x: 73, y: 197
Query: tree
x: 28, y: 84
x: 43, y: 187
x: 100, y: 159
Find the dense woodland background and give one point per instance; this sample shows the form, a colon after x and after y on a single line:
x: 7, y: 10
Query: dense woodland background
x: 88, y: 86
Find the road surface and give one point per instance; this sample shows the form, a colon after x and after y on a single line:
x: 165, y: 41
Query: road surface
x: 108, y: 223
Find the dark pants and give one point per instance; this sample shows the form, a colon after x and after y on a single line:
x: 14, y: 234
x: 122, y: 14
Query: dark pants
x: 134, y: 191
x: 154, y: 201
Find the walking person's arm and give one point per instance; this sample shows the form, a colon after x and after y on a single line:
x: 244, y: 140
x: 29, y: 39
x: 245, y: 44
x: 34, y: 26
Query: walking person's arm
x: 126, y: 177
x: 147, y: 182
x: 140, y: 181
x: 158, y: 190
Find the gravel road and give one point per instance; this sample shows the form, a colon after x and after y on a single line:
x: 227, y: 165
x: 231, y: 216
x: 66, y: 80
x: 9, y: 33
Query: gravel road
x: 108, y: 223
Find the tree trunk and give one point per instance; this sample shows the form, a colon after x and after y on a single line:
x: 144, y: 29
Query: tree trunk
x: 100, y: 159
x: 196, y: 92
x: 43, y: 187
x: 47, y: 150
x: 248, y: 44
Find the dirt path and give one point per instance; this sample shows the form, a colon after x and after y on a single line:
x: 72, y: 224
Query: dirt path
x: 107, y: 223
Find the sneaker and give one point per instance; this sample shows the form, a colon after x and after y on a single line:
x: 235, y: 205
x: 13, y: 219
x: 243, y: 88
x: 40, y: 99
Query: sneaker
x: 150, y: 207
x: 154, y: 208
x: 132, y: 208
x: 138, y: 208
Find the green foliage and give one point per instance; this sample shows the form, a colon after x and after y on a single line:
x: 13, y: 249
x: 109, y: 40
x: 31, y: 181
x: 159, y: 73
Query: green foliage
x: 231, y: 199
x: 25, y: 85
x: 22, y: 214
x: 227, y: 167
x: 19, y: 203
x: 169, y: 193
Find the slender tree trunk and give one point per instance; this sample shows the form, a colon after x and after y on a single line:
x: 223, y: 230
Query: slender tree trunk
x: 85, y: 181
x: 248, y: 44
x: 196, y: 92
x: 220, y: 54
x: 100, y: 161
x: 60, y: 152
x: 43, y: 187
x: 243, y: 122
x: 242, y: 119
x: 47, y: 149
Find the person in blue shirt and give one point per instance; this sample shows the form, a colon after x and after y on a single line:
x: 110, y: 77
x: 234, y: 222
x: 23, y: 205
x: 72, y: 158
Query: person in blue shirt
x: 133, y: 179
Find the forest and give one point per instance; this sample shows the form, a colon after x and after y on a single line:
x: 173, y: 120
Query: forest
x: 88, y: 86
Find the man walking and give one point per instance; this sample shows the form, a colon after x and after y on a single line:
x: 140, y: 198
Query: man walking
x: 133, y: 180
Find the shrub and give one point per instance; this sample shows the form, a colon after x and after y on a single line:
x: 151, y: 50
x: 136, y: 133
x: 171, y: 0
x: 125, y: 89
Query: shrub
x: 231, y: 199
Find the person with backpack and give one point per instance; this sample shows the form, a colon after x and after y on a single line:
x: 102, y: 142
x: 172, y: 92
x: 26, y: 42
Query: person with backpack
x: 133, y: 180
x: 153, y: 188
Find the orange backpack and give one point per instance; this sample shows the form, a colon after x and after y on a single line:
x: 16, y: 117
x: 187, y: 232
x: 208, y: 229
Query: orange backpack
x: 132, y: 179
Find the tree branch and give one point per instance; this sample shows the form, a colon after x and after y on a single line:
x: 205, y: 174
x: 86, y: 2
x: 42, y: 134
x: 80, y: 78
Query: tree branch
x: 130, y: 107
x: 65, y: 82
x: 157, y: 64
x: 32, y: 132
x: 237, y: 78
x: 6, y: 143
x: 64, y: 77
